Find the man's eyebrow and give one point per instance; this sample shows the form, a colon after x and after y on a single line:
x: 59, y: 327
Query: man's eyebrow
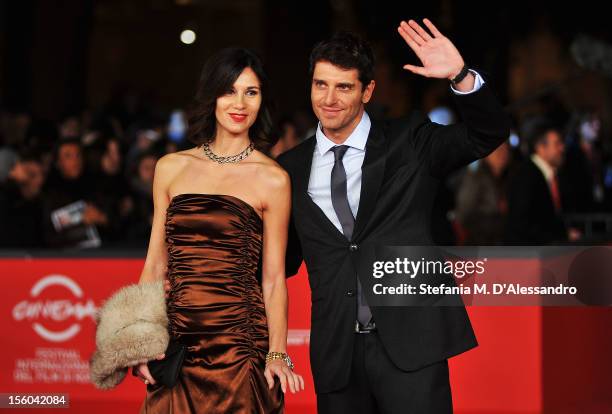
x: 349, y: 85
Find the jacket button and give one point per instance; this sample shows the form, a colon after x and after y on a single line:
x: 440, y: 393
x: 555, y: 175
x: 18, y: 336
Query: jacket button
x: 350, y: 293
x: 353, y: 247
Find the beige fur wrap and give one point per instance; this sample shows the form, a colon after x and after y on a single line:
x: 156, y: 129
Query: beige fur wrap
x: 132, y: 325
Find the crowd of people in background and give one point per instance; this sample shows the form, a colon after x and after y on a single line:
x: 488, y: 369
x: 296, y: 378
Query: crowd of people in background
x: 550, y: 183
x: 86, y: 180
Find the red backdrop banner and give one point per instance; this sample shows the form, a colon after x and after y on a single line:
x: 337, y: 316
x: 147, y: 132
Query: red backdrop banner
x: 525, y: 354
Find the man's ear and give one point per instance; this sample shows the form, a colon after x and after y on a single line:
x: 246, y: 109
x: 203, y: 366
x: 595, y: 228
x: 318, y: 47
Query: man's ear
x: 368, y: 92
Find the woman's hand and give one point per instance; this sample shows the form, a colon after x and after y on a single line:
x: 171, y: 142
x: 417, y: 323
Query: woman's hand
x: 286, y: 376
x: 141, y: 370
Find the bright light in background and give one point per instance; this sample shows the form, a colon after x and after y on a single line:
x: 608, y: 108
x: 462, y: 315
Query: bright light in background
x: 514, y: 139
x: 442, y: 115
x: 188, y: 36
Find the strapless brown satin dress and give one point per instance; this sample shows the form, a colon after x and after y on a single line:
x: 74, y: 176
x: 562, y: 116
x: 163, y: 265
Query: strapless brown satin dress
x: 216, y: 309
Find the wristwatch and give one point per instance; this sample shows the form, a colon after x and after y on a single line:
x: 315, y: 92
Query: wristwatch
x: 279, y: 355
x: 461, y: 75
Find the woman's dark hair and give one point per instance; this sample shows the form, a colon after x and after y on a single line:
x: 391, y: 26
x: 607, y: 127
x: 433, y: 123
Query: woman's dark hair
x: 218, y: 76
x: 347, y: 51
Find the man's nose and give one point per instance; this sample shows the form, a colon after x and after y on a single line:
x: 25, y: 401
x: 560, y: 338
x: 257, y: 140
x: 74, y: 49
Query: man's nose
x: 330, y: 97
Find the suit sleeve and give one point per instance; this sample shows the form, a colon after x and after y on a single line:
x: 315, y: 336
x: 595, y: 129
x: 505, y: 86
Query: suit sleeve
x: 485, y: 126
x: 293, y: 255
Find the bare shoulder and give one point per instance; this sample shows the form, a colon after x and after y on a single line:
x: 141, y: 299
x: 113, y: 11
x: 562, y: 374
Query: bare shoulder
x: 270, y: 173
x: 172, y: 163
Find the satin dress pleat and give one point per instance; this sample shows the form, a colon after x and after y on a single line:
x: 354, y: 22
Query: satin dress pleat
x: 216, y: 308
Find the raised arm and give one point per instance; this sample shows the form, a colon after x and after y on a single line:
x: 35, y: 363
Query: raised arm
x: 485, y: 125
x: 439, y: 56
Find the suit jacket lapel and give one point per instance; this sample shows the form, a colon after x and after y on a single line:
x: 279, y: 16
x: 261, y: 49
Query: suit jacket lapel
x: 301, y: 183
x: 372, y: 172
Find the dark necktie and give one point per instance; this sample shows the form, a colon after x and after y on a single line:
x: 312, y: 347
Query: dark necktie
x: 347, y: 221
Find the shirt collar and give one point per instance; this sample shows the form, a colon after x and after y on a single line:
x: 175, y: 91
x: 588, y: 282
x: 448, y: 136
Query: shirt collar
x: 357, y: 139
x: 546, y: 169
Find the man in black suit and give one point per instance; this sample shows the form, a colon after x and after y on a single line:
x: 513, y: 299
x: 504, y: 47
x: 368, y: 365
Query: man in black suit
x: 360, y: 181
x: 534, y: 198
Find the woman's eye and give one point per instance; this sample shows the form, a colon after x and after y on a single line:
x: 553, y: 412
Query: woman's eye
x: 252, y: 93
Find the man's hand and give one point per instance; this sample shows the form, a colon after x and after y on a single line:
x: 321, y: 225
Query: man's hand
x: 440, y: 58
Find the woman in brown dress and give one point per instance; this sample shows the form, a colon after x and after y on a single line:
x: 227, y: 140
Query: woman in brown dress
x: 220, y: 208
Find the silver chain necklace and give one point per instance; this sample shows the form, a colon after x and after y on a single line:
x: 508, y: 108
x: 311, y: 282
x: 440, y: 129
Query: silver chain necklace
x: 230, y: 158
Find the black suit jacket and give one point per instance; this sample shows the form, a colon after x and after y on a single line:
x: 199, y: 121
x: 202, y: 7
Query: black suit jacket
x: 532, y: 218
x: 404, y: 162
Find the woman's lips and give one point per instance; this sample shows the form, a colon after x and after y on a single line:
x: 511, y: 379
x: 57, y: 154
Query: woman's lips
x: 238, y: 117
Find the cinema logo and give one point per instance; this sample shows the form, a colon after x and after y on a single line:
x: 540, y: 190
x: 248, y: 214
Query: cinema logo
x: 52, y: 311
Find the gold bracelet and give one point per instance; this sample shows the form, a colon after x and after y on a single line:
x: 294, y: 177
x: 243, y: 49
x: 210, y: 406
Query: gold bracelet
x: 272, y: 356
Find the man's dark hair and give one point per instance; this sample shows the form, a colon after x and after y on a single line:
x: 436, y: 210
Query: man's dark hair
x: 347, y: 51
x: 218, y: 75
x: 534, y: 131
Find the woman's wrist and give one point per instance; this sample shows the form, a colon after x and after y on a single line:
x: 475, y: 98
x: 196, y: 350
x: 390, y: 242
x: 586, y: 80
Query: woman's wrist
x: 279, y: 356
